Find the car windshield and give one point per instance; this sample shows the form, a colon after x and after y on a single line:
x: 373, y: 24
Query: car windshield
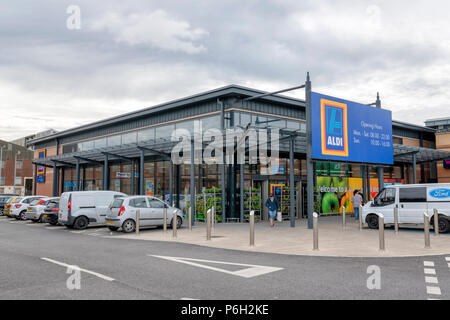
x: 17, y: 200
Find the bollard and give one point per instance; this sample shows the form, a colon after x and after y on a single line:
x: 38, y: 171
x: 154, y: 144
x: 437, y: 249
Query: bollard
x: 360, y: 218
x: 252, y: 228
x: 436, y: 222
x: 138, y: 221
x: 213, y: 221
x: 190, y: 218
x: 343, y: 217
x: 174, y: 224
x: 426, y: 231
x: 315, y: 231
x: 396, y: 220
x: 381, y: 231
x: 208, y: 224
x: 165, y: 220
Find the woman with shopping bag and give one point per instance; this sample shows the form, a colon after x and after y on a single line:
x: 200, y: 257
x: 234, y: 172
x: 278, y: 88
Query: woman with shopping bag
x: 272, y: 205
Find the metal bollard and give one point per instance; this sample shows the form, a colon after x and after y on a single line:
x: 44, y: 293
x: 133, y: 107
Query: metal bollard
x: 190, y: 218
x: 360, y: 217
x: 426, y: 231
x: 315, y: 231
x: 396, y: 220
x: 343, y: 217
x: 138, y: 221
x: 208, y: 224
x: 381, y: 231
x: 252, y: 228
x: 165, y: 220
x: 436, y: 222
x: 174, y: 224
x: 213, y: 221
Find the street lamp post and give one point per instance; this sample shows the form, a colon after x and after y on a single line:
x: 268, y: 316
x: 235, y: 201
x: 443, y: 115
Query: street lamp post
x: 15, y: 169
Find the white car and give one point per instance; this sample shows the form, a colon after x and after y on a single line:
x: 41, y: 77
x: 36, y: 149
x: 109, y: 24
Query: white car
x: 78, y: 209
x: 412, y: 201
x: 123, y: 213
x: 36, y: 209
x: 20, y: 206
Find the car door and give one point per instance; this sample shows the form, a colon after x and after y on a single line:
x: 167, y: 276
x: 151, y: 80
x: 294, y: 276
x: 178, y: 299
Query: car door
x: 412, y: 204
x: 141, y: 204
x: 157, y: 210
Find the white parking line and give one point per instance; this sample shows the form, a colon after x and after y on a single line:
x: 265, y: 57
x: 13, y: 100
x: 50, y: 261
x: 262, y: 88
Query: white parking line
x: 55, y: 228
x: 429, y: 271
x: 447, y: 259
x: 78, y: 232
x: 431, y: 290
x: 99, y: 275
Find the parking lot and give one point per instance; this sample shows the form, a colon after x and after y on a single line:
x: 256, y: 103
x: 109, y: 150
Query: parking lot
x: 37, y: 257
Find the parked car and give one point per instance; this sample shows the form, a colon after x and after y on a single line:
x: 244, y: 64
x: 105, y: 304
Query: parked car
x: 36, y: 209
x: 4, y: 199
x: 123, y: 213
x: 51, y: 211
x: 78, y: 209
x: 8, y: 204
x: 412, y: 200
x: 20, y: 206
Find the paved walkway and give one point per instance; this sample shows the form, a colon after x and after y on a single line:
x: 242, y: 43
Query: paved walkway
x: 333, y: 240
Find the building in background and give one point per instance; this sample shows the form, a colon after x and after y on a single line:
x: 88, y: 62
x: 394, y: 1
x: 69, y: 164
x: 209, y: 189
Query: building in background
x: 442, y: 127
x: 24, y: 141
x: 130, y: 153
x: 16, y: 169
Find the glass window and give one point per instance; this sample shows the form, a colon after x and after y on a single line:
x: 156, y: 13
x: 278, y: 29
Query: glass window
x: 413, y: 195
x: 259, y: 121
x: 302, y: 126
x: 2, y: 180
x: 276, y: 123
x: 138, y: 203
x: 245, y: 118
x: 211, y: 123
x: 385, y: 197
x: 130, y: 137
x: 155, y: 203
x: 117, y: 203
x: 292, y: 125
x: 164, y: 132
x: 100, y: 143
x: 146, y: 135
x: 113, y: 140
x: 188, y: 125
x: 87, y: 145
x: 18, y: 181
x: 19, y: 164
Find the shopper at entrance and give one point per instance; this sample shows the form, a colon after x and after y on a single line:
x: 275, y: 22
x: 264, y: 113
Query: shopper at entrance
x: 357, y: 200
x: 272, y: 205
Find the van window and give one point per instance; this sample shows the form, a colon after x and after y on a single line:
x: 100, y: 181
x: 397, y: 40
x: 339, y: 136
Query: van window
x: 385, y: 197
x: 413, y: 194
x: 138, y: 203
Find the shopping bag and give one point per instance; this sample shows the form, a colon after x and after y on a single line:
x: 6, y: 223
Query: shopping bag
x: 279, y: 217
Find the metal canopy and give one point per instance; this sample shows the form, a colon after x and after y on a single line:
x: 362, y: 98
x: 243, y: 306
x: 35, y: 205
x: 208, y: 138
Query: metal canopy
x: 405, y: 154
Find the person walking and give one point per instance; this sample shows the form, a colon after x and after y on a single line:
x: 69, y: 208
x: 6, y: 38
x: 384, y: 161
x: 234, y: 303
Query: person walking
x: 357, y: 200
x: 272, y: 205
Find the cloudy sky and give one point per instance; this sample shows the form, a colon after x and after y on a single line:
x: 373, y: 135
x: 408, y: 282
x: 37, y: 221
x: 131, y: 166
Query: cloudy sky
x: 127, y: 55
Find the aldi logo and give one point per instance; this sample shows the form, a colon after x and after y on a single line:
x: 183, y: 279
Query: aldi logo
x: 334, y: 128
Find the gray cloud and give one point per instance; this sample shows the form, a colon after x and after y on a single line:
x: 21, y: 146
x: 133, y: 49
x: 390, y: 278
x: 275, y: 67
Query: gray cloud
x: 130, y: 55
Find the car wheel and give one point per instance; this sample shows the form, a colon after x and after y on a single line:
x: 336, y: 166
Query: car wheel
x: 81, y: 223
x: 113, y: 228
x: 372, y: 221
x: 22, y: 215
x: 179, y: 222
x: 444, y: 225
x: 129, y: 226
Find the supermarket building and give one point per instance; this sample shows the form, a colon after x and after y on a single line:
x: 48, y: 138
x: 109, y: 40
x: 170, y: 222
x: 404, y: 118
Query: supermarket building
x: 131, y: 153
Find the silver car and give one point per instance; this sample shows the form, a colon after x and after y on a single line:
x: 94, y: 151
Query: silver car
x: 20, y: 206
x: 36, y: 209
x: 123, y: 213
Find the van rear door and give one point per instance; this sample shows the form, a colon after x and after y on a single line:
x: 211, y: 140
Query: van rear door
x: 63, y: 207
x: 412, y: 204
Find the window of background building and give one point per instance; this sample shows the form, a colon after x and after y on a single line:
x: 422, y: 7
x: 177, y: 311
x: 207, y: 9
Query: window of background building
x: 164, y: 132
x: 112, y: 141
x: 146, y: 135
x: 100, y: 143
x: 19, y: 164
x: 129, y: 137
x: 2, y: 180
x: 18, y: 181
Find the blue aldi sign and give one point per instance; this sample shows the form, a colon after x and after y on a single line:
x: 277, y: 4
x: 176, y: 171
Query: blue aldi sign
x: 348, y: 131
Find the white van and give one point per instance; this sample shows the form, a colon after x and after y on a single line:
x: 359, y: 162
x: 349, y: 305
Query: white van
x: 78, y: 209
x: 412, y: 201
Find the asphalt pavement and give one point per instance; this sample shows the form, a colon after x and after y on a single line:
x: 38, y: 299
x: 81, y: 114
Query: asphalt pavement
x: 34, y: 260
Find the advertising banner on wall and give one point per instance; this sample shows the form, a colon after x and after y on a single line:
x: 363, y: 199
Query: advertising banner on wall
x: 335, y: 192
x: 348, y: 131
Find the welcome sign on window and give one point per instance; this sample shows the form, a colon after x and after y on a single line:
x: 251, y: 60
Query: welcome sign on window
x: 348, y: 131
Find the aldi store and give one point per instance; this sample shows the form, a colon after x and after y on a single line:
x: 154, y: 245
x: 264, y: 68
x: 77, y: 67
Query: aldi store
x: 131, y: 153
